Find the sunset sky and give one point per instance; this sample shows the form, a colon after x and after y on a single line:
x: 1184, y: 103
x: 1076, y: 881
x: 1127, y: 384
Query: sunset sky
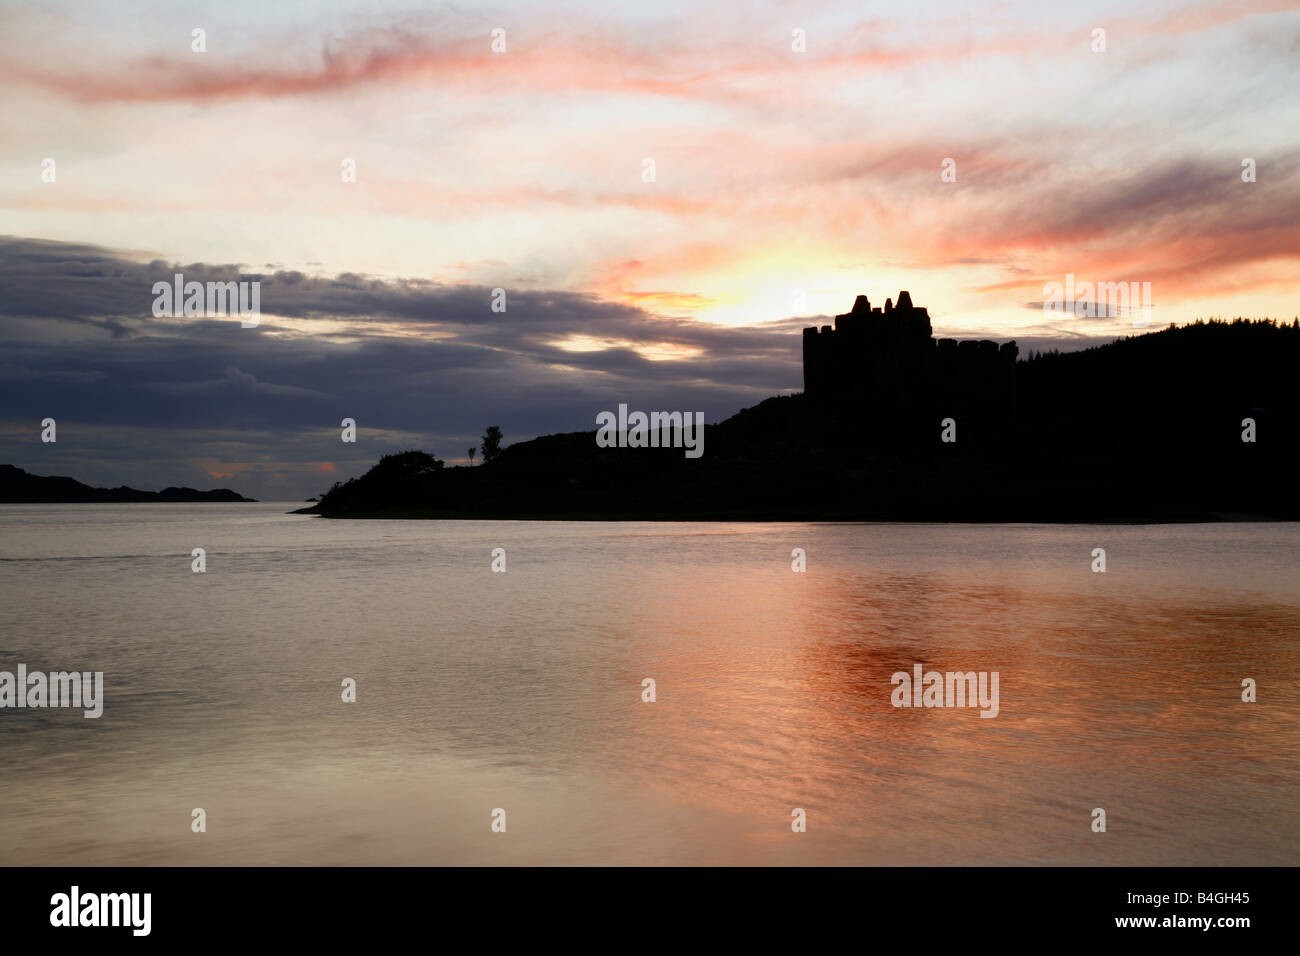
x: 785, y: 183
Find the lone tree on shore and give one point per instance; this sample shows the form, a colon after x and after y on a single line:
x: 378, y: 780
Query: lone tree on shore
x: 491, y: 443
x: 472, y: 453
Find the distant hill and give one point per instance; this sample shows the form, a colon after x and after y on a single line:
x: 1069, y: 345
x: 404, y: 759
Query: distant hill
x: 20, y: 487
x: 1148, y: 428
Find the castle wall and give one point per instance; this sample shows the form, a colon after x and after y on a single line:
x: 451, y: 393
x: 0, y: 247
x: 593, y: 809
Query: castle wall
x: 886, y: 361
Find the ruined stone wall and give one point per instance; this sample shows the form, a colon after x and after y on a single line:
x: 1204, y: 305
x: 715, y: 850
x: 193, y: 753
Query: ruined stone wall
x: 886, y: 361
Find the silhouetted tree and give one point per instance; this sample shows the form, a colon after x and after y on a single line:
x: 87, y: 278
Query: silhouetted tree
x: 407, y: 464
x: 491, y: 443
x: 472, y: 453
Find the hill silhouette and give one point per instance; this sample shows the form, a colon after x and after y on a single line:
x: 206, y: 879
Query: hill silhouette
x: 1148, y: 428
x: 21, y: 487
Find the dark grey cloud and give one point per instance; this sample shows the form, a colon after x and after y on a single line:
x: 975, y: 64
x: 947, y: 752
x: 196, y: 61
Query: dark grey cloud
x: 427, y: 364
x: 1085, y: 310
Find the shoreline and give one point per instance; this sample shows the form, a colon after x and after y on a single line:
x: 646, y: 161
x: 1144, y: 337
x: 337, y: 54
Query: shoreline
x: 770, y: 518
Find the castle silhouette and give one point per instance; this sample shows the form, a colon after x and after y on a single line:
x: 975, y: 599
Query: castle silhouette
x: 887, y: 361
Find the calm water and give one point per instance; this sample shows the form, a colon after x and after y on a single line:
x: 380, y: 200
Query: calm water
x: 523, y: 691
